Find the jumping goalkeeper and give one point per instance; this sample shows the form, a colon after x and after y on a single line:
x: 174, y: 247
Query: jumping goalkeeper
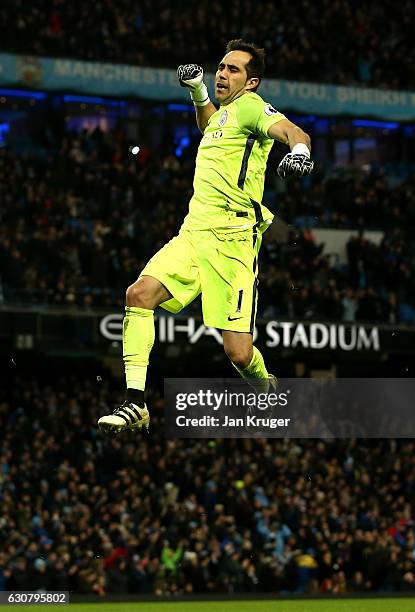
x: 216, y: 250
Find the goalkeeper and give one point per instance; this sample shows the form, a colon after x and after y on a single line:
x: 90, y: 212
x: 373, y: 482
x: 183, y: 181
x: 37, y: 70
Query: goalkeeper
x: 216, y: 250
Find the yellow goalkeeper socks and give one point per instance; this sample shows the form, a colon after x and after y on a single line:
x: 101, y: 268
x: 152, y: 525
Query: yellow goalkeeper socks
x: 256, y: 368
x: 137, y: 339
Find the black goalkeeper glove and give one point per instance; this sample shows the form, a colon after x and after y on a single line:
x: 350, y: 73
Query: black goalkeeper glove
x: 295, y: 164
x: 191, y: 77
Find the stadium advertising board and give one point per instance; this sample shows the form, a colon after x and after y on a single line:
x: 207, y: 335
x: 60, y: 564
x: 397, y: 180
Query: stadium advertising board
x: 30, y: 329
x: 272, y: 334
x: 122, y: 80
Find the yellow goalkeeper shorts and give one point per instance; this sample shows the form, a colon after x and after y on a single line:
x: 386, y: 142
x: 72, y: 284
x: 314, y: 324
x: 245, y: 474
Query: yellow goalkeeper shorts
x: 222, y: 265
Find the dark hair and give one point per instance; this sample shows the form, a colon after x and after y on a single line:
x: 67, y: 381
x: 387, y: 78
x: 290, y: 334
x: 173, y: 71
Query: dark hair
x: 256, y: 65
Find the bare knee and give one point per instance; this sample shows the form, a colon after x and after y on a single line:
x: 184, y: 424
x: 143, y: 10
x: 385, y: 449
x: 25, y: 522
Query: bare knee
x: 146, y: 292
x: 137, y: 295
x: 240, y: 355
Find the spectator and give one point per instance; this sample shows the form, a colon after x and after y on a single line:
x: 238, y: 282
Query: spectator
x: 170, y: 558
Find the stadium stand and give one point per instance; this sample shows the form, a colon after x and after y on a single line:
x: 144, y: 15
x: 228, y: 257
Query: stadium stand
x: 80, y: 216
x: 192, y: 516
x: 71, y: 216
x: 363, y: 43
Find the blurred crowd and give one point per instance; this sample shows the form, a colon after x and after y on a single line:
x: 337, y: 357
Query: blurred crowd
x: 351, y: 197
x: 376, y: 284
x: 341, y: 42
x: 106, y: 515
x: 78, y: 224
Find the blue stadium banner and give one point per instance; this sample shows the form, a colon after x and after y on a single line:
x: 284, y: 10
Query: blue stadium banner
x: 119, y: 80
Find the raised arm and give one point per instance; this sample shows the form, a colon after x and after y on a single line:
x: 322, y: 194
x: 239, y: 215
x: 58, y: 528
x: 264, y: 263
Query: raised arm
x: 287, y: 132
x: 298, y: 162
x: 191, y: 77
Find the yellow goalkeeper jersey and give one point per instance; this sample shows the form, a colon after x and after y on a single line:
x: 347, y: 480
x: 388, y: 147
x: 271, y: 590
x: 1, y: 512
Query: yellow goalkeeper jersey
x: 230, y: 166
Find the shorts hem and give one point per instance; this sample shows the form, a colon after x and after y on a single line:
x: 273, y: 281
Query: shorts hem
x: 225, y: 326
x: 172, y: 305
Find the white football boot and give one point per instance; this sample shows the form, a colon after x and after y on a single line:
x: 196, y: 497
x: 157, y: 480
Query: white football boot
x: 128, y: 416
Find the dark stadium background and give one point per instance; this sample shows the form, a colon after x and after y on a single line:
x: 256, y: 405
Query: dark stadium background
x: 80, y: 215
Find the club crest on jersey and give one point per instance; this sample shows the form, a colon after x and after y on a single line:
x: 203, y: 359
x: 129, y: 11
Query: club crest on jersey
x: 270, y: 110
x: 223, y: 118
